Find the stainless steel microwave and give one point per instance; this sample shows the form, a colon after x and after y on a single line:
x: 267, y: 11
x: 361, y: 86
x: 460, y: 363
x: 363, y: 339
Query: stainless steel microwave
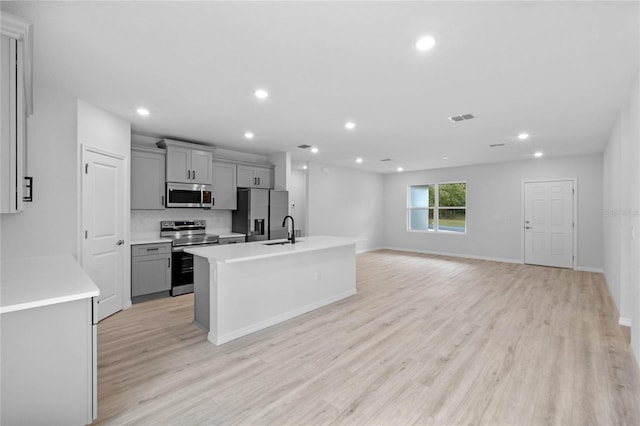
x: 189, y: 195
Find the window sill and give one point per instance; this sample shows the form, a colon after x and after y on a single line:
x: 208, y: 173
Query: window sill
x: 437, y: 232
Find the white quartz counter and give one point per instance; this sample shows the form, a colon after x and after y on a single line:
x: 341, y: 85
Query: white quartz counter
x: 148, y: 239
x: 39, y: 281
x: 258, y: 250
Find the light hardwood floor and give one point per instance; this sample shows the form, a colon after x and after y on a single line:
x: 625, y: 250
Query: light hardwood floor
x: 427, y: 340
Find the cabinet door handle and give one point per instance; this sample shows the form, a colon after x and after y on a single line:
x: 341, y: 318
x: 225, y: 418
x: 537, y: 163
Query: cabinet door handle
x: 258, y: 181
x: 162, y: 200
x: 194, y: 174
x: 188, y: 174
x: 168, y: 262
x: 153, y: 249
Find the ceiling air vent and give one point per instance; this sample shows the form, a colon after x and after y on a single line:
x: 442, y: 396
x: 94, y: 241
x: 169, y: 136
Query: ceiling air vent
x: 462, y: 117
x: 495, y: 145
x: 304, y: 146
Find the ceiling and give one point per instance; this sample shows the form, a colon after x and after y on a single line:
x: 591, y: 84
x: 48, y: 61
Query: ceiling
x: 559, y: 71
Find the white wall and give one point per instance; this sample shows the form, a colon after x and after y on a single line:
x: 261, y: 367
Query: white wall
x: 345, y: 202
x: 494, y: 208
x: 298, y: 198
x: 282, y: 171
x: 622, y: 215
x: 100, y: 129
x: 48, y: 224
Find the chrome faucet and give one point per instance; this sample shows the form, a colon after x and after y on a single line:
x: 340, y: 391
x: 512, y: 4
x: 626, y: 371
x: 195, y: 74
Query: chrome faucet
x: 293, y: 228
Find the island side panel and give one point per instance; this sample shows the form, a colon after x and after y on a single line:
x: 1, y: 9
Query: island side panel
x: 256, y: 294
x: 201, y: 292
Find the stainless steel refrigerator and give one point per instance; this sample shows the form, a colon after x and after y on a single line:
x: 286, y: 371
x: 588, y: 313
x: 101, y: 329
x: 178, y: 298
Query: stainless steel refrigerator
x: 260, y: 214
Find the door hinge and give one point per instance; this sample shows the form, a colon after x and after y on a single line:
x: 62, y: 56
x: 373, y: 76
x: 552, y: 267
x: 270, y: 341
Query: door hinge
x: 573, y: 224
x: 573, y: 191
x: 86, y: 168
x: 86, y: 234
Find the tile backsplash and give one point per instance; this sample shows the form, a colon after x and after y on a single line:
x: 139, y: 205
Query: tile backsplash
x: 148, y: 221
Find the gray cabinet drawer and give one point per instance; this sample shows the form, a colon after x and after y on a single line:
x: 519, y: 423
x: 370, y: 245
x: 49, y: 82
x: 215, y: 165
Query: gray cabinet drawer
x: 150, y: 249
x: 232, y: 240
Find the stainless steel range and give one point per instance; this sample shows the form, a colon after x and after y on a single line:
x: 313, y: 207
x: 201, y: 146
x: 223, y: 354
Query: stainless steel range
x: 183, y: 234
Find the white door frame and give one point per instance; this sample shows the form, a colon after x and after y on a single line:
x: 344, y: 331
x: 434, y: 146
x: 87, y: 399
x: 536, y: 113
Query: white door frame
x: 126, y: 262
x: 575, y: 215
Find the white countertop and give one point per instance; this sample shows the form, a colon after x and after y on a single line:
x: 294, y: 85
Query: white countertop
x: 148, y: 239
x: 31, y: 282
x: 258, y: 250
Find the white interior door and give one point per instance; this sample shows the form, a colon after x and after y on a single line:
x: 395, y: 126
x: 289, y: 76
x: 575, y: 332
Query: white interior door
x: 548, y: 223
x: 103, y: 227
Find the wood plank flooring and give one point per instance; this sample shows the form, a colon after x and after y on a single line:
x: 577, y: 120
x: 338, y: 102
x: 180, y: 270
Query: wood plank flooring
x: 428, y: 340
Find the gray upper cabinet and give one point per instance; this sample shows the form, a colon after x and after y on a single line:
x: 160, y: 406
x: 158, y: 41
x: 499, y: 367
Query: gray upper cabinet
x: 186, y: 164
x: 224, y: 185
x: 255, y: 177
x: 147, y: 178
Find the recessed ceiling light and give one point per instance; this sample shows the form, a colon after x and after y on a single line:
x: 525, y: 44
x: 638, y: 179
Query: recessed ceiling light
x: 261, y: 94
x: 445, y: 158
x: 538, y: 154
x: 143, y: 111
x: 350, y: 125
x: 523, y: 136
x: 400, y: 169
x: 358, y: 160
x: 425, y: 43
x: 248, y: 135
x: 314, y: 150
x: 304, y: 167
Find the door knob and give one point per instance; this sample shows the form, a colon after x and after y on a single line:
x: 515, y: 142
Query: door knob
x: 527, y: 227
x: 120, y: 242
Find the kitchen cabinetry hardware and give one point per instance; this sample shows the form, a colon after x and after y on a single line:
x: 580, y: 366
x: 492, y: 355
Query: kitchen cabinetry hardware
x: 120, y: 242
x: 28, y: 189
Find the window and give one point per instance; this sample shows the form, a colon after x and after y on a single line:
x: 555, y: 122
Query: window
x: 438, y: 207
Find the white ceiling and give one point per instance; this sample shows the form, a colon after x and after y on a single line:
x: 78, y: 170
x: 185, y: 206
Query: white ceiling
x: 558, y: 70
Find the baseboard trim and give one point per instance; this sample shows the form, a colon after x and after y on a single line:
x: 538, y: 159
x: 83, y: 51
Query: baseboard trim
x: 464, y: 256
x: 227, y: 337
x: 624, y: 321
x: 589, y: 269
x: 368, y: 250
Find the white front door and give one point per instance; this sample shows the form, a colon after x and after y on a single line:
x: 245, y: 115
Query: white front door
x: 103, y: 227
x: 548, y: 223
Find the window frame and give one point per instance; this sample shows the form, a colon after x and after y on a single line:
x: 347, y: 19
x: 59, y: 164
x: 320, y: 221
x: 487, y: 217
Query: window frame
x: 436, y: 209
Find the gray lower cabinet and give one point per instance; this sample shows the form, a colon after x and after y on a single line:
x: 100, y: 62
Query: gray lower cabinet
x: 150, y: 271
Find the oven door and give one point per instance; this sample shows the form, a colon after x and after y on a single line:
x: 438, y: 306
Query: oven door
x: 182, y: 270
x: 184, y: 195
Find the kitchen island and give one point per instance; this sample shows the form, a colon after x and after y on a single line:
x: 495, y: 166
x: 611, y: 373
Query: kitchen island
x: 243, y: 288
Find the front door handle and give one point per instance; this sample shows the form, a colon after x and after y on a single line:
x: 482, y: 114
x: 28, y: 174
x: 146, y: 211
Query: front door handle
x: 120, y: 242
